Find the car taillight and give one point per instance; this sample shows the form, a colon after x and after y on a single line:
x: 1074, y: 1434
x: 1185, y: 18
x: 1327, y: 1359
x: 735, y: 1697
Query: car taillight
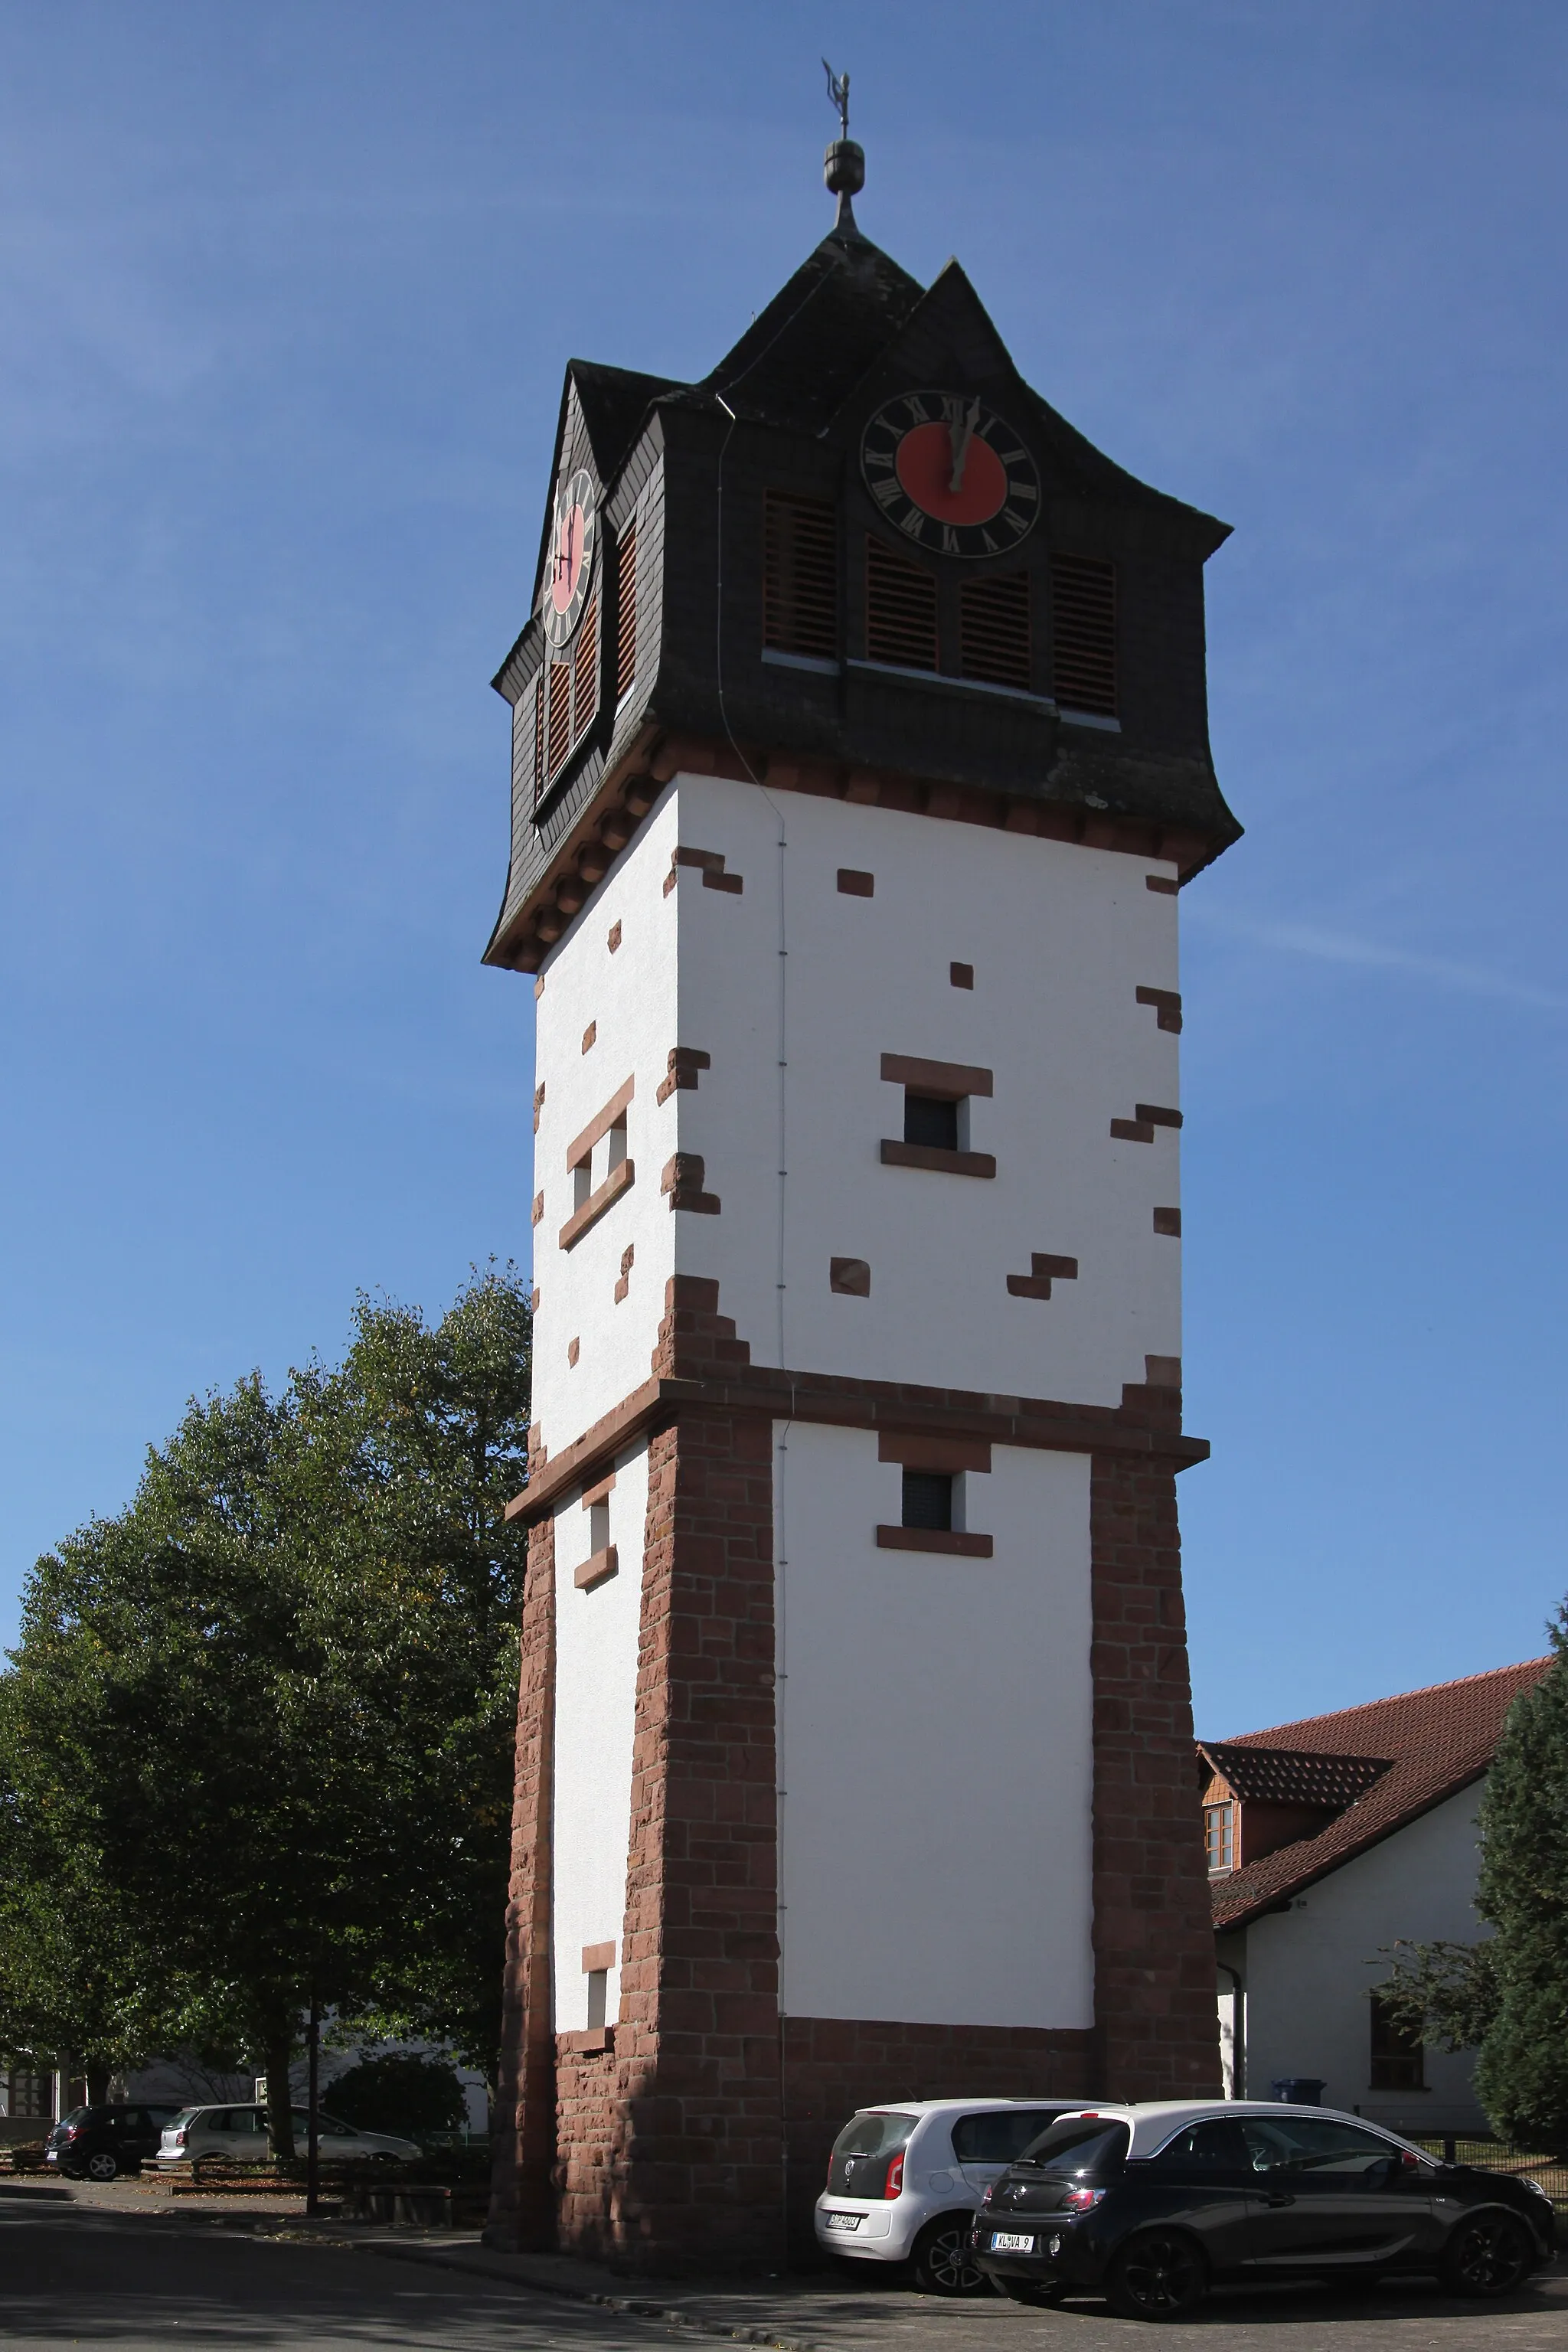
x: 1082, y: 2200
x: 69, y: 2131
x: 895, y: 2181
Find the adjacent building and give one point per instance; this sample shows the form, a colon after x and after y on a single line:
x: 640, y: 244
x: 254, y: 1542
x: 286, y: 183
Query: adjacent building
x: 1328, y: 1842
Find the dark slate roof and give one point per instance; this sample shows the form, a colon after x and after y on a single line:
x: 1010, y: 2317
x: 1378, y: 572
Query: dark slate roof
x: 614, y: 402
x: 1292, y: 1776
x: 1439, y: 1740
x: 800, y: 359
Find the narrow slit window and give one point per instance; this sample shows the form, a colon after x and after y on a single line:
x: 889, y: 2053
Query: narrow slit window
x: 800, y: 575
x: 1398, y: 2054
x: 993, y: 629
x: 931, y: 1120
x: 928, y: 1500
x: 900, y: 609
x: 626, y: 637
x: 598, y: 1997
x: 1083, y: 634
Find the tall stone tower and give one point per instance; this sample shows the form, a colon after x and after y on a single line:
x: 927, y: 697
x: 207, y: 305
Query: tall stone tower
x: 859, y: 756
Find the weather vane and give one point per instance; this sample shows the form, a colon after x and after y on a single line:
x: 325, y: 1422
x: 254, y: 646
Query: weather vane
x: 839, y: 95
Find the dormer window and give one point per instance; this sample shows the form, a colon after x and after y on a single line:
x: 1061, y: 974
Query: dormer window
x: 800, y: 577
x: 1219, y: 1837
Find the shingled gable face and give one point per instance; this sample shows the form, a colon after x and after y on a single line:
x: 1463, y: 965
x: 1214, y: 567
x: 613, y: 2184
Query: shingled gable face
x: 786, y: 571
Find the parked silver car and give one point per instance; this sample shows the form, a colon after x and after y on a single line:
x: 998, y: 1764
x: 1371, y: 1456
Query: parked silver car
x: 905, y: 2178
x: 238, y: 2136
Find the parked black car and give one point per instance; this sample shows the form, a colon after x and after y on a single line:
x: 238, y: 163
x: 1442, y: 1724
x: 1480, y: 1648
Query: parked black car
x: 1151, y: 2205
x: 100, y: 2142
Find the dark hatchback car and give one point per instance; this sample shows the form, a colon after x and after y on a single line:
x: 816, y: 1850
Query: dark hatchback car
x: 1151, y: 2205
x: 101, y: 2143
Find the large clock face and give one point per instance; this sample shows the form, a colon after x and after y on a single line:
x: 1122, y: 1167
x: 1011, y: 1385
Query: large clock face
x: 570, y: 564
x: 951, y: 474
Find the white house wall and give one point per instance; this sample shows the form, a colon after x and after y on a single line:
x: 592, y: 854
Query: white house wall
x: 595, y: 1701
x: 919, y: 1880
x: 1308, y: 1970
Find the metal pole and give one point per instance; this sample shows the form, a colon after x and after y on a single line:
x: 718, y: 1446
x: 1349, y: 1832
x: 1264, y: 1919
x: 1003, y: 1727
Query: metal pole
x: 312, y: 2133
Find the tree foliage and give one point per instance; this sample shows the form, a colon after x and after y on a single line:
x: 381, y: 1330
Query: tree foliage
x: 255, y: 1748
x: 399, y: 2092
x: 1507, y: 1997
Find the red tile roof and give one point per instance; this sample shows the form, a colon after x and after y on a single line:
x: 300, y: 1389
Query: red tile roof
x: 1438, y: 1740
x: 1292, y: 1776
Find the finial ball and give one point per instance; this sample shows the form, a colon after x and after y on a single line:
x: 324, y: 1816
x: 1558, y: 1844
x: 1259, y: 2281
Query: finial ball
x: 843, y: 168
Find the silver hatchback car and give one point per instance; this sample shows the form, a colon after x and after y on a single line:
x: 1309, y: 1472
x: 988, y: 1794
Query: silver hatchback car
x: 905, y: 2178
x: 238, y: 2136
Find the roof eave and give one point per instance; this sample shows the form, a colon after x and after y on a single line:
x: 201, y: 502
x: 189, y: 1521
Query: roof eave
x: 1277, y: 1895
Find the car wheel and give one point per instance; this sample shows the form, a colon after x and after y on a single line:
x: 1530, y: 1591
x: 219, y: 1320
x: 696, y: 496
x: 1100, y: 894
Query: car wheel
x: 1018, y: 2290
x: 943, y: 2261
x: 1489, y: 2253
x: 103, y: 2165
x: 1159, y: 2275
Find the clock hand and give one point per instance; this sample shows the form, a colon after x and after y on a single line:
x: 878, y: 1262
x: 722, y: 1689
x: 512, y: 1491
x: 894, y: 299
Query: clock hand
x: 960, y: 433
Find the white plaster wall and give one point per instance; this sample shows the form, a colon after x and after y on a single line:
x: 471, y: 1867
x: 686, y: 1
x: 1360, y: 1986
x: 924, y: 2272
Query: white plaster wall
x: 630, y: 997
x: 1060, y: 939
x: 934, y: 1744
x: 1308, y: 1969
x: 595, y: 1706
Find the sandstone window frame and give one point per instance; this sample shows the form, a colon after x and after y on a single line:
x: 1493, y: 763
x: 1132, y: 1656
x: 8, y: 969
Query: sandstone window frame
x: 590, y: 1202
x: 929, y: 1083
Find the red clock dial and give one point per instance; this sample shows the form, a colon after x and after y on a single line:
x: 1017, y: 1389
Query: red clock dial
x: 950, y: 474
x: 570, y: 563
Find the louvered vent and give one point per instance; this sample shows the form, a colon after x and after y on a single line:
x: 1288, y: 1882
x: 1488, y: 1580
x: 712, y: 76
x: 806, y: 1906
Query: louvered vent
x: 539, y: 734
x: 557, y: 717
x: 626, y: 632
x: 585, y: 672
x: 1083, y: 634
x: 900, y: 609
x: 993, y: 629
x: 800, y: 575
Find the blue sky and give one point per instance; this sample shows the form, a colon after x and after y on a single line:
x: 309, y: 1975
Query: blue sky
x: 285, y: 296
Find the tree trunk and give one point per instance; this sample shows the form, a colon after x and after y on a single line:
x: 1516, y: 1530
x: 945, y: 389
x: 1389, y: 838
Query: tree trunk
x: 97, y: 2085
x: 280, y: 2099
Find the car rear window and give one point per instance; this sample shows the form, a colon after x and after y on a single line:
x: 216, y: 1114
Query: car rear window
x: 186, y: 2116
x: 864, y: 2149
x: 998, y: 2137
x: 1077, y: 2148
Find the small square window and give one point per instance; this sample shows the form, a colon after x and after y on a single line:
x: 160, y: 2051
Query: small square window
x: 928, y: 1499
x: 931, y: 1120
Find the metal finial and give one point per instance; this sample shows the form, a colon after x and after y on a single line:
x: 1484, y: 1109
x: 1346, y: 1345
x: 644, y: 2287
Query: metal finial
x: 844, y: 165
x: 839, y: 95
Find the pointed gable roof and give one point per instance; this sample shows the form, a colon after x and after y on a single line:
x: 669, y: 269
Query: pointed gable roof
x: 1439, y: 1740
x: 800, y: 358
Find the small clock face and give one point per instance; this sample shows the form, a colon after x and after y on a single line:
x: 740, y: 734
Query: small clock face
x: 570, y: 564
x: 952, y: 474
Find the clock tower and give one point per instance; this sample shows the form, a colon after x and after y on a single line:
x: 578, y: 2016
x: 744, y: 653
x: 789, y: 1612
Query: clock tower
x: 859, y: 757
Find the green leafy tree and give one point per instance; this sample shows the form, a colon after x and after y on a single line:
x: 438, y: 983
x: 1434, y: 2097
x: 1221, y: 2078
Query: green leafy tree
x: 1443, y: 1992
x: 400, y: 2092
x: 266, y: 1712
x: 1522, y: 2076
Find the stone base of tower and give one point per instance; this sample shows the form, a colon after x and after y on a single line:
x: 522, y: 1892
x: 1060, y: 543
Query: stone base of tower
x: 693, y: 2133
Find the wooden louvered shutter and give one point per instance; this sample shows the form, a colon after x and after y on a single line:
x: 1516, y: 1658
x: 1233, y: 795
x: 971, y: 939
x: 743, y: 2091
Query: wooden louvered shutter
x: 539, y: 733
x: 558, y: 716
x: 993, y: 629
x: 626, y: 630
x: 585, y: 671
x: 800, y: 575
x: 1083, y: 634
x: 900, y: 609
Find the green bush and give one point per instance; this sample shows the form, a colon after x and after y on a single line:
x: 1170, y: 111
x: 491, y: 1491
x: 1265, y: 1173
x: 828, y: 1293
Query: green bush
x: 399, y: 2093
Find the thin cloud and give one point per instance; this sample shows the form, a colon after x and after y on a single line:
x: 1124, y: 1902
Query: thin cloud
x: 1340, y: 947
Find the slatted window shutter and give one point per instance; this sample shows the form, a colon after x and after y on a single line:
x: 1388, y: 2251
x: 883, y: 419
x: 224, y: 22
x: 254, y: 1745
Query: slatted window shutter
x: 993, y: 629
x: 585, y: 672
x: 800, y: 575
x: 538, y: 725
x: 900, y: 609
x: 1083, y: 634
x: 558, y: 716
x: 626, y: 628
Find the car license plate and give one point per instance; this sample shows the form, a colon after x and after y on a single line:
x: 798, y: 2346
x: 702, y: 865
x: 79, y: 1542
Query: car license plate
x: 1007, y: 2241
x: 51, y: 2156
x: 844, y: 2220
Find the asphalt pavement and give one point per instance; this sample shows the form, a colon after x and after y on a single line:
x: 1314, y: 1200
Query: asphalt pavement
x: 91, y: 2273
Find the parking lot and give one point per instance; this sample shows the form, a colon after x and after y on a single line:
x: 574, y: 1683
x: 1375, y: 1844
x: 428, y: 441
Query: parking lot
x: 92, y: 2271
